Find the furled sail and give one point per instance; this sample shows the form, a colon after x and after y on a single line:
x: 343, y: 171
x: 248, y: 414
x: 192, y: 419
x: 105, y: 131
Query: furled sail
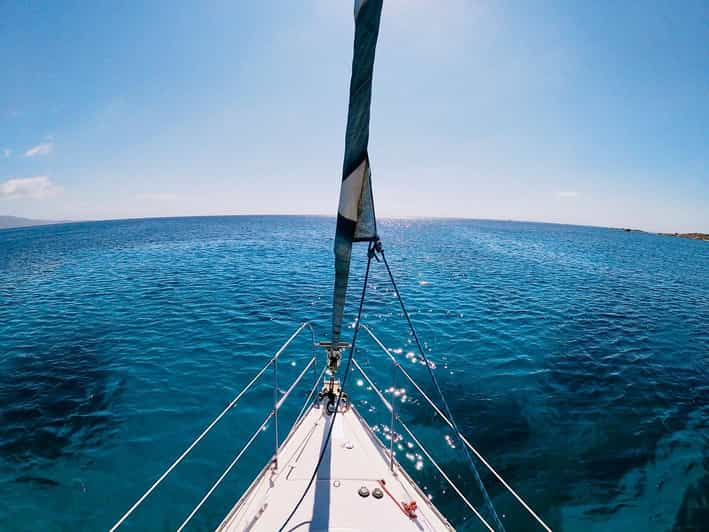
x: 355, y: 215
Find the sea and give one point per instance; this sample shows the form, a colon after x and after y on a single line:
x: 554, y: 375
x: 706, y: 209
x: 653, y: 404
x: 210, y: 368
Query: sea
x: 575, y: 359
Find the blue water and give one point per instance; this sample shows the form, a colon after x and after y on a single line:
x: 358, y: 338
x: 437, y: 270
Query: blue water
x: 575, y: 358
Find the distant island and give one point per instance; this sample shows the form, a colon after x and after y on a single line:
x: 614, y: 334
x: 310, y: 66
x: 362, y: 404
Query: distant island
x: 9, y: 222
x: 691, y: 236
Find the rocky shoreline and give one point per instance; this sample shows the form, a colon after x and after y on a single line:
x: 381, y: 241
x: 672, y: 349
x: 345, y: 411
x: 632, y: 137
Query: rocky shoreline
x: 691, y: 236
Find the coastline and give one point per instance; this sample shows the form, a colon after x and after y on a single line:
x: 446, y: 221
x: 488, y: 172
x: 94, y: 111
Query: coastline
x: 690, y: 236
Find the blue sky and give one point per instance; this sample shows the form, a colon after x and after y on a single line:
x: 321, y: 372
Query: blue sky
x: 574, y: 112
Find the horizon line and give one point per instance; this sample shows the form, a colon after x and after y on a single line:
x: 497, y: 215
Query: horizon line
x: 304, y: 215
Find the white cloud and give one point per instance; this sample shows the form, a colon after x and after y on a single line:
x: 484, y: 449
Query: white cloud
x: 567, y: 194
x: 30, y: 187
x: 44, y: 148
x: 6, y: 152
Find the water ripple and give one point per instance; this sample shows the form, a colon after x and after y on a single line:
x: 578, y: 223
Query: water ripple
x: 576, y: 359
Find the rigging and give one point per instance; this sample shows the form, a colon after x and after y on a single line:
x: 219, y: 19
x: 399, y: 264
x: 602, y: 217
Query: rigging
x: 340, y: 393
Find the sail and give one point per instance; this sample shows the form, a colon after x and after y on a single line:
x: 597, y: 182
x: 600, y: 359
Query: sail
x: 356, y: 221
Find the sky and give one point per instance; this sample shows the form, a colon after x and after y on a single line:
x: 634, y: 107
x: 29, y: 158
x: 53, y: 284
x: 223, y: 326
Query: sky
x: 593, y: 113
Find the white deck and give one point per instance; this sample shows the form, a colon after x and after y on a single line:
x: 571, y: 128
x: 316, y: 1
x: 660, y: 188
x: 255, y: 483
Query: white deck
x: 354, y: 458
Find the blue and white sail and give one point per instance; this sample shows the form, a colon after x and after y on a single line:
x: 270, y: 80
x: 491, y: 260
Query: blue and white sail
x: 356, y: 221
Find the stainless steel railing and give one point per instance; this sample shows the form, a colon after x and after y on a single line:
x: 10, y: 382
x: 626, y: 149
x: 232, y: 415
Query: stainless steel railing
x: 272, y: 414
x: 277, y: 404
x: 433, y: 405
x: 392, y: 431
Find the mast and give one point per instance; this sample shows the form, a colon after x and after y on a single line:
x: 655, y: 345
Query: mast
x: 356, y: 221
